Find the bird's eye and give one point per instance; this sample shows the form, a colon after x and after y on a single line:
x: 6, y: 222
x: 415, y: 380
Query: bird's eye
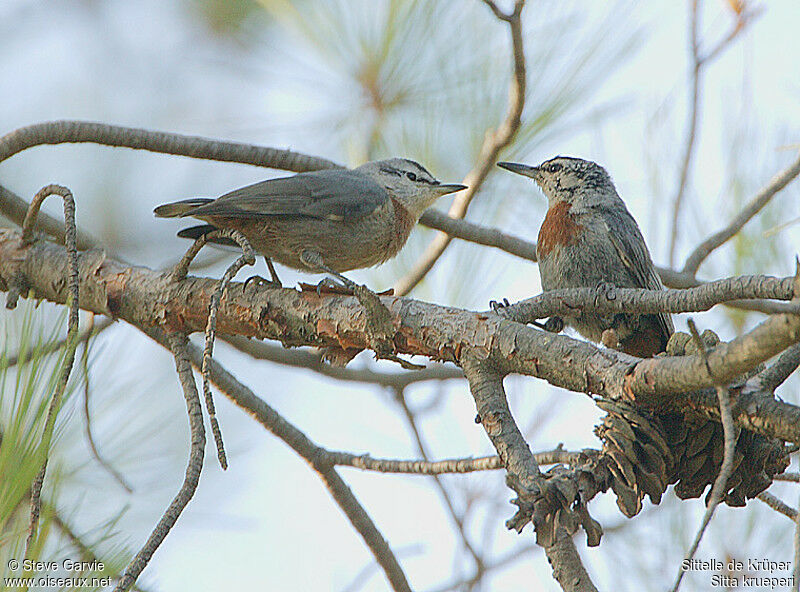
x: 411, y: 176
x: 554, y: 168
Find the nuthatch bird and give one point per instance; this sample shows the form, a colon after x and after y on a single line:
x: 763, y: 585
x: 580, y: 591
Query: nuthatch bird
x: 589, y: 239
x: 331, y: 220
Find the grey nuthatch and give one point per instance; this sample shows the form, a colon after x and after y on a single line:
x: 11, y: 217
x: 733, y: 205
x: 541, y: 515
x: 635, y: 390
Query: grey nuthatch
x: 589, y: 239
x: 335, y: 219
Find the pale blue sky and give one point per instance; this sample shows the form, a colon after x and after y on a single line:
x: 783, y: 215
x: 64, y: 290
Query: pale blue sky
x: 268, y: 523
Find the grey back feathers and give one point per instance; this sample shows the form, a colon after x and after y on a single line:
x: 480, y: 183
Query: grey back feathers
x: 334, y: 194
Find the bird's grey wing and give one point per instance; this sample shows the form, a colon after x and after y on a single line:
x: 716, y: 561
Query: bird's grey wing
x: 331, y: 194
x: 632, y: 250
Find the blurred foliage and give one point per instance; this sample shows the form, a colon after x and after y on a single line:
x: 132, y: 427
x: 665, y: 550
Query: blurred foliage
x: 25, y: 391
x: 227, y: 18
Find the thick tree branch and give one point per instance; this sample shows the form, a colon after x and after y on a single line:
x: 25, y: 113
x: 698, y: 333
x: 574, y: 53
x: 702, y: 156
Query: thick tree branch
x: 144, y: 297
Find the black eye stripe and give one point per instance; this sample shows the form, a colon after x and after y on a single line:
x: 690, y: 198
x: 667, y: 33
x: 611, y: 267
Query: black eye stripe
x: 390, y: 171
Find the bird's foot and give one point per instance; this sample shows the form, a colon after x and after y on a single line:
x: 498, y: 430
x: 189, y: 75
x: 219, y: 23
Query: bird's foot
x: 315, y: 261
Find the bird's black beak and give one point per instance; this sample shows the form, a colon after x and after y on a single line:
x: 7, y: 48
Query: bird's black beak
x: 445, y: 188
x: 521, y: 169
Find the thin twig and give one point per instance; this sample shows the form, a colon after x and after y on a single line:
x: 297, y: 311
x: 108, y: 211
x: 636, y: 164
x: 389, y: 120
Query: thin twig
x: 781, y: 369
x: 453, y: 465
x: 71, y: 344
x: 719, y: 488
x: 248, y: 257
x: 178, y: 344
x: 793, y: 477
x: 638, y: 300
x: 796, y: 570
x: 691, y: 132
x: 315, y: 455
x: 116, y: 475
x: 494, y: 142
x: 761, y: 199
x: 507, y: 559
x: 86, y: 552
x: 699, y: 62
x: 313, y: 361
x: 778, y: 505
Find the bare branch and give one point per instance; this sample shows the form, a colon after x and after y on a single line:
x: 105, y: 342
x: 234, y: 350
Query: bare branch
x: 73, y: 283
x: 691, y: 131
x: 796, y: 570
x: 482, y: 235
x: 778, y: 505
x: 314, y: 362
x: 248, y: 257
x: 761, y: 199
x: 315, y: 455
x: 494, y: 142
x: 139, y: 296
x: 695, y: 96
x: 178, y: 344
x: 486, y: 386
x: 783, y: 368
x: 115, y: 474
x: 719, y: 488
x: 636, y: 300
x: 67, y: 131
x: 453, y: 465
x: 14, y: 208
x: 793, y: 477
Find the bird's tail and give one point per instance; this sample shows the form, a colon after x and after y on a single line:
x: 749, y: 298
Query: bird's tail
x: 178, y: 209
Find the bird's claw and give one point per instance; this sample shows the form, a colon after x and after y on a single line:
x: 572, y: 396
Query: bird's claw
x: 332, y: 285
x: 261, y: 282
x: 498, y: 307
